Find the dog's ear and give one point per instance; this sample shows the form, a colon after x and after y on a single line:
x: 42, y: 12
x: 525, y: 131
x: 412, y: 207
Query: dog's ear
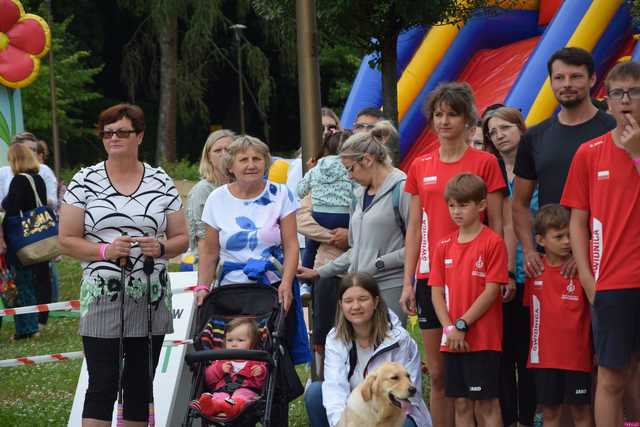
x: 369, y: 387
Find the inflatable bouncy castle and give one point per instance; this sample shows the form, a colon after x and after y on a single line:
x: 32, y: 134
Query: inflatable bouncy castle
x: 503, y: 56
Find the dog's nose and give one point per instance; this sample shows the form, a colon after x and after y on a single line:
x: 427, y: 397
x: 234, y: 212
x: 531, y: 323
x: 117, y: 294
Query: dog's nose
x: 412, y: 391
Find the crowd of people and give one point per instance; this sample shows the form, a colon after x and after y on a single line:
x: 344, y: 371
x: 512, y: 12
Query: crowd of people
x: 514, y: 247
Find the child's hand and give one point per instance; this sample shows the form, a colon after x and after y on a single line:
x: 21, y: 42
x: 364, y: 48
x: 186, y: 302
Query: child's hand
x: 227, y: 367
x: 456, y: 342
x: 256, y: 371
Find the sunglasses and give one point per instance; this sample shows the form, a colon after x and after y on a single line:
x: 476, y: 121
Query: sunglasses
x: 120, y: 133
x: 366, y: 126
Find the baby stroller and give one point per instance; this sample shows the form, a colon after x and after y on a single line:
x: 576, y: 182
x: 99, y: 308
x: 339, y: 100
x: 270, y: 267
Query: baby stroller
x: 260, y: 303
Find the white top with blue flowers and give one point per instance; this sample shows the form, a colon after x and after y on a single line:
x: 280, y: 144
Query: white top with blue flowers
x: 248, y: 228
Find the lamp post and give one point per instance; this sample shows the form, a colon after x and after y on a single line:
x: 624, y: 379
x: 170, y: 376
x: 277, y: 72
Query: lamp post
x: 308, y: 78
x: 54, y: 108
x: 237, y: 31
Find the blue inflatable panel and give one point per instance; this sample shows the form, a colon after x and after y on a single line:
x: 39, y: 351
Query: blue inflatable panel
x: 558, y: 32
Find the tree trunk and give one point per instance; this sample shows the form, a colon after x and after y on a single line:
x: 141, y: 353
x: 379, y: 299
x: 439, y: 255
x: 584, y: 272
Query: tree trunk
x: 390, y: 85
x: 166, y: 140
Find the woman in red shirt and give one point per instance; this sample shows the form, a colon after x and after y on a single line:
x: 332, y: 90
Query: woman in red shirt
x: 450, y: 109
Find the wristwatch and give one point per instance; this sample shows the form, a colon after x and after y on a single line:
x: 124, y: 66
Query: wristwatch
x: 161, y: 249
x: 379, y: 264
x: 461, y: 325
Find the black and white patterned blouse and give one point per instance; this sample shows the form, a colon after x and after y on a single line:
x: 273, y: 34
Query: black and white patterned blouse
x: 107, y: 215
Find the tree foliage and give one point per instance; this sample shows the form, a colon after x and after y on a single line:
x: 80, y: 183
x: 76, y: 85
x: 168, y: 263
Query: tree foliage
x: 199, y: 25
x: 372, y: 26
x: 74, y: 88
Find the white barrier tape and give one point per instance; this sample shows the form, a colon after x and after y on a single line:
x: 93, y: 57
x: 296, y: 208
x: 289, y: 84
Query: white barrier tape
x: 32, y: 360
x: 64, y: 305
x: 175, y: 343
x: 40, y: 308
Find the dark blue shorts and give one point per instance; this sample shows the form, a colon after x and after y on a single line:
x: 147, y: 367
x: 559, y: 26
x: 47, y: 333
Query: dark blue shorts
x: 616, y: 326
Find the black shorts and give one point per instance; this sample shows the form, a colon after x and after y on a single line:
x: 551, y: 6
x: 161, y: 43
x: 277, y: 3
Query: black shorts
x: 474, y: 375
x: 616, y: 326
x: 558, y: 386
x: 427, y: 317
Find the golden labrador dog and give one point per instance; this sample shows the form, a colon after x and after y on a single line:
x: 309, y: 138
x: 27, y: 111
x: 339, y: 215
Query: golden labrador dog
x: 381, y: 400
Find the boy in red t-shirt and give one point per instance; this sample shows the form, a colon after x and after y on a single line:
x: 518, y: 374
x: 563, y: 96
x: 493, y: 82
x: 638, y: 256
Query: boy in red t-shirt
x: 603, y: 192
x: 467, y: 270
x: 560, y: 348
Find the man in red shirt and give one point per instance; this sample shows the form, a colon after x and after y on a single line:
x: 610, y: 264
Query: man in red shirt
x: 468, y: 268
x: 560, y: 347
x: 603, y: 191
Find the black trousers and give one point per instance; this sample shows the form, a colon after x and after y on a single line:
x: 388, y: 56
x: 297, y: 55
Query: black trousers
x: 102, y: 363
x: 517, y: 392
x: 42, y: 284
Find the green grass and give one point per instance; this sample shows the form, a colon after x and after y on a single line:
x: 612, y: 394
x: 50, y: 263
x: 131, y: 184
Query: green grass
x: 42, y: 395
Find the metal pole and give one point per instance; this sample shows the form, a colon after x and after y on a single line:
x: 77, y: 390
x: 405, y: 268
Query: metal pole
x: 308, y: 79
x: 237, y: 29
x: 54, y: 108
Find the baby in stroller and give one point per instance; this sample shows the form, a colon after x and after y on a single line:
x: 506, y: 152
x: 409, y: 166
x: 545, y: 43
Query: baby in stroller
x: 233, y: 383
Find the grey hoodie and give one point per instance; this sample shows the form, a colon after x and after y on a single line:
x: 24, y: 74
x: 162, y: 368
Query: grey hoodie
x: 375, y: 234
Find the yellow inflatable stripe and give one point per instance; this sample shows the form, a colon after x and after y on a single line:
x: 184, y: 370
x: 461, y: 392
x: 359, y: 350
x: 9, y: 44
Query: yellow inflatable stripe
x: 587, y: 34
x: 424, y: 61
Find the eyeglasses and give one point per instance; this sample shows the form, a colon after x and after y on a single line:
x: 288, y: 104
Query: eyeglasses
x: 502, y: 128
x: 120, y: 133
x: 366, y: 126
x: 350, y: 167
x: 329, y: 128
x: 618, y: 94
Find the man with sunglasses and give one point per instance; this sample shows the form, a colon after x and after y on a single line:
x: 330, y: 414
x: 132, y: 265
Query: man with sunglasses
x: 546, y: 150
x: 366, y: 119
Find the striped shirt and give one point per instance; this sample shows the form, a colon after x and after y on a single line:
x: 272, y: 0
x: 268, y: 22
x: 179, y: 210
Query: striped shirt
x: 107, y: 215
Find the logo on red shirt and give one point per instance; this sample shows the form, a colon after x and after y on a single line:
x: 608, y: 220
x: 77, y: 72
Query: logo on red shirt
x: 569, y: 294
x: 429, y: 180
x: 479, y: 265
x: 603, y: 175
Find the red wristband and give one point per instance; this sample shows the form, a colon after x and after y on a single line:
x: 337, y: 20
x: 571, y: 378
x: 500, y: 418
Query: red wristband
x: 201, y: 287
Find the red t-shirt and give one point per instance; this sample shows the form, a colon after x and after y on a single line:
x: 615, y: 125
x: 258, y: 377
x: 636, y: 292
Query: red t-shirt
x: 427, y: 178
x: 603, y: 180
x: 560, y: 322
x: 464, y: 269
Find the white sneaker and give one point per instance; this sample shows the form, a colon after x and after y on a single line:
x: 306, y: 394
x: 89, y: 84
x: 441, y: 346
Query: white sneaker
x: 305, y: 293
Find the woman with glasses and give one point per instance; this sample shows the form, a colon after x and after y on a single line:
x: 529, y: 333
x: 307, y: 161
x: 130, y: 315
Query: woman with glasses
x: 118, y: 209
x: 505, y: 127
x: 450, y: 109
x: 212, y: 176
x: 378, y: 215
x: 330, y: 121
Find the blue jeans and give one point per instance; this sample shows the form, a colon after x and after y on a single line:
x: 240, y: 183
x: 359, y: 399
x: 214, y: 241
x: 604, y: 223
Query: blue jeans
x: 315, y: 409
x: 55, y: 287
x: 26, y: 324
